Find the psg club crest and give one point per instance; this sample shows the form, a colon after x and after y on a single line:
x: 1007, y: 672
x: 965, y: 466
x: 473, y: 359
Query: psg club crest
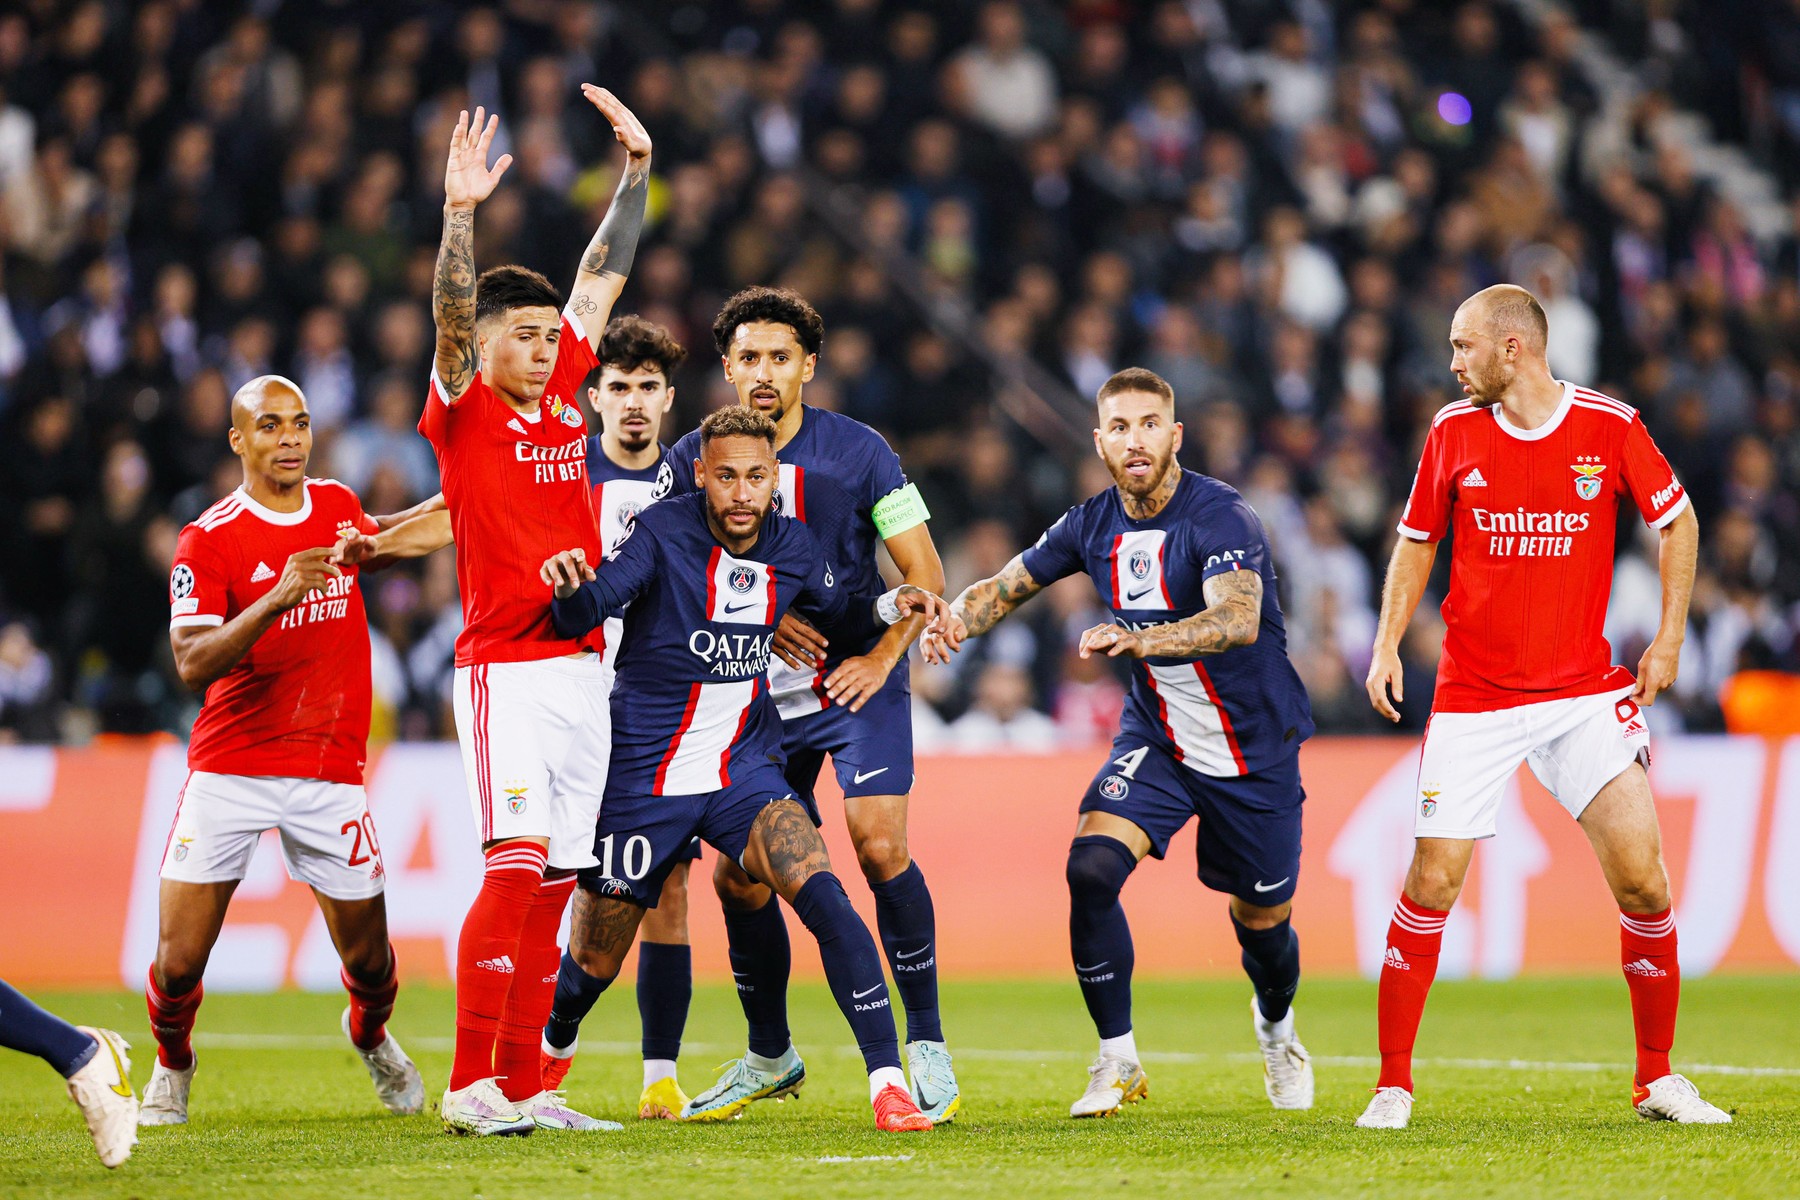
x: 1140, y: 563
x: 1114, y: 787
x: 628, y: 512
x: 741, y: 579
x: 1587, y: 476
x: 567, y: 413
x: 1428, y: 804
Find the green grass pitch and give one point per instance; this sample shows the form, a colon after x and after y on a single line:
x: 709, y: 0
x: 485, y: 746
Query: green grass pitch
x: 1523, y: 1091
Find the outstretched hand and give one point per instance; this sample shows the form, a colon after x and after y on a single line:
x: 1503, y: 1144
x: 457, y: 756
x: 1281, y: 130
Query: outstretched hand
x: 626, y: 127
x: 566, y: 572
x: 468, y: 180
x: 1116, y: 640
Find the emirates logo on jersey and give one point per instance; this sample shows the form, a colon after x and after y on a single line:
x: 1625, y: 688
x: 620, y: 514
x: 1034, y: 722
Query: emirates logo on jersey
x: 1140, y: 564
x: 1587, y: 470
x: 741, y: 579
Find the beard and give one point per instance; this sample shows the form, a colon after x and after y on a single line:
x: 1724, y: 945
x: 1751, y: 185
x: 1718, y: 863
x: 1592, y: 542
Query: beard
x: 1138, y: 487
x: 720, y: 523
x: 635, y: 439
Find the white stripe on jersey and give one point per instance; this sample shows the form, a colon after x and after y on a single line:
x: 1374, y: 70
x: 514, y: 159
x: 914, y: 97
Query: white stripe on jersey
x: 1137, y: 570
x: 696, y: 761
x: 1191, y: 719
x: 796, y: 692
x: 742, y: 591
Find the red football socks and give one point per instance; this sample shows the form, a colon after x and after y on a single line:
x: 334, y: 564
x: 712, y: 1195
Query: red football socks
x: 533, y: 992
x: 486, y: 953
x: 1647, y: 950
x: 370, y: 1007
x: 1407, y: 969
x: 172, y: 1023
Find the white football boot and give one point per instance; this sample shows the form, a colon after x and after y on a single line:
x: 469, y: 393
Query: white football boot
x: 102, y: 1090
x: 1389, y: 1108
x: 1675, y: 1098
x: 1113, y: 1082
x: 166, y: 1095
x: 1287, y: 1067
x: 548, y: 1110
x: 482, y: 1110
x: 398, y: 1084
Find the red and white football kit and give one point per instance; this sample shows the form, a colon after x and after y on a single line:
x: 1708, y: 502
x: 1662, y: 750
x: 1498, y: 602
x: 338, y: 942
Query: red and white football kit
x: 1526, y: 673
x: 281, y: 738
x: 533, y: 722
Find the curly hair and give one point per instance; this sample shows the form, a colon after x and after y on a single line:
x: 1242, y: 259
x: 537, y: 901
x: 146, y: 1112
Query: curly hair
x: 632, y: 342
x: 736, y: 421
x: 779, y: 306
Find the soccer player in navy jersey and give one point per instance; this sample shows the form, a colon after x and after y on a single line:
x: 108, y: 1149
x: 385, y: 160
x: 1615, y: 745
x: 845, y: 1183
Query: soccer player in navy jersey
x: 703, y: 581
x: 1212, y: 724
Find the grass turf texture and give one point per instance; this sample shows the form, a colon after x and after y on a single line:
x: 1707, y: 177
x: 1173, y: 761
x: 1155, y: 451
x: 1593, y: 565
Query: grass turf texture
x: 282, y: 1107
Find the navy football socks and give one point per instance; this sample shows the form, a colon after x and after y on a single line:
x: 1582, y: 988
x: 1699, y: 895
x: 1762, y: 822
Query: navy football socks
x: 908, y: 925
x: 760, y: 959
x: 851, y: 967
x: 1272, y: 961
x: 576, y: 994
x: 24, y: 1026
x: 1099, y: 935
x: 665, y: 987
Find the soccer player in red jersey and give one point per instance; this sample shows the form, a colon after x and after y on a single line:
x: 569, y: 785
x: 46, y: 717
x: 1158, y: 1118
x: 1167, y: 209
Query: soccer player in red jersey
x: 275, y: 637
x: 531, y: 706
x: 1529, y: 472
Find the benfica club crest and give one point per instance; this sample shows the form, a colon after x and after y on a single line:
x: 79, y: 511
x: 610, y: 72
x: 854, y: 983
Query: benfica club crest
x: 1587, y: 470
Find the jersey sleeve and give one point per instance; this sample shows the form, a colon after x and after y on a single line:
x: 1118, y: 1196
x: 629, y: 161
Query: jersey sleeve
x: 681, y: 468
x: 1650, y: 479
x: 1057, y: 552
x: 434, y: 422
x: 894, y: 505
x: 1427, y: 515
x: 574, y: 357
x: 199, y: 591
x: 1230, y: 538
x: 625, y: 574
x: 827, y: 602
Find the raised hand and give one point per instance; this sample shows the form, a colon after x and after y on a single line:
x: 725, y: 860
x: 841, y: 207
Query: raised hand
x: 468, y: 180
x: 626, y: 127
x: 566, y: 572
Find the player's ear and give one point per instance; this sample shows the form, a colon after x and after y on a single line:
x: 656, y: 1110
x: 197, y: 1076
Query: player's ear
x: 811, y: 365
x: 668, y: 399
x: 235, y: 440
x: 725, y: 362
x: 699, y: 472
x: 1098, y: 448
x: 1177, y: 445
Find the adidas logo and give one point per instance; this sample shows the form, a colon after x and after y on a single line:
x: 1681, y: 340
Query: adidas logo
x: 1474, y: 479
x: 514, y: 424
x: 1646, y: 968
x: 1392, y: 959
x: 503, y: 964
x: 261, y: 573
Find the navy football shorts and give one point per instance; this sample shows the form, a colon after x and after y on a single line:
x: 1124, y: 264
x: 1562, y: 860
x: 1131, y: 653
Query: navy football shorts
x: 871, y: 750
x: 1249, y: 843
x: 641, y: 838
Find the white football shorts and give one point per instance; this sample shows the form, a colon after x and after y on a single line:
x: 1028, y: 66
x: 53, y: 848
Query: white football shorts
x: 327, y: 835
x: 1575, y: 747
x: 536, y: 739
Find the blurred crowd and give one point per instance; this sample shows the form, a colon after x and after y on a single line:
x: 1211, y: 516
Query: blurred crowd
x: 1275, y: 204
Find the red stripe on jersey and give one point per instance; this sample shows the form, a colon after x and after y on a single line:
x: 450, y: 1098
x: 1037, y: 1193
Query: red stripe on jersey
x: 1162, y: 576
x: 1237, y: 753
x: 179, y: 797
x: 769, y: 599
x: 743, y: 719
x: 687, y: 717
x: 818, y: 688
x: 799, y: 494
x: 1113, y: 558
x: 1162, y: 713
x: 712, y: 600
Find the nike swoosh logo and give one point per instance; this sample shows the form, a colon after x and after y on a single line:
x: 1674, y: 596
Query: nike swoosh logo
x: 1269, y: 887
x: 738, y: 608
x: 862, y: 775
x: 1080, y: 969
x: 123, y: 1087
x: 1141, y: 594
x: 915, y: 953
x: 865, y: 992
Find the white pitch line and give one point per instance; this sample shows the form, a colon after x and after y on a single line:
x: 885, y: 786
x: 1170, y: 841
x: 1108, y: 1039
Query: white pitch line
x: 289, y: 1041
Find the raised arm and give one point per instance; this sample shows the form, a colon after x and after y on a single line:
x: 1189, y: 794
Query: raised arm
x: 1679, y: 551
x: 607, y: 260
x: 467, y: 182
x: 1407, y: 572
x: 1232, y: 618
x: 385, y: 521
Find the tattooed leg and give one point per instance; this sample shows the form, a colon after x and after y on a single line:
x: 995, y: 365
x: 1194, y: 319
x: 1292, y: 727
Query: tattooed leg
x: 600, y: 932
x: 785, y: 848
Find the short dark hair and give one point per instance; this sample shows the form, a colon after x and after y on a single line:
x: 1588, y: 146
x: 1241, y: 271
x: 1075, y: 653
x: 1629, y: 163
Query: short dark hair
x: 736, y: 421
x: 780, y: 306
x: 1135, y: 379
x: 501, y: 289
x: 631, y: 342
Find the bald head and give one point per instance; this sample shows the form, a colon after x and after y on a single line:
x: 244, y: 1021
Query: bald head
x: 264, y: 394
x: 1506, y: 310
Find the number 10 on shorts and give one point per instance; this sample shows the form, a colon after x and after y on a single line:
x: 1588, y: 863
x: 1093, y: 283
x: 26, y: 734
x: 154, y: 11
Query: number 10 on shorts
x: 635, y: 860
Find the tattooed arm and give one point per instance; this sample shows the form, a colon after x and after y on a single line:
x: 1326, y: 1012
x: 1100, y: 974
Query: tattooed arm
x: 985, y: 604
x: 468, y: 181
x: 1232, y: 617
x: 609, y: 255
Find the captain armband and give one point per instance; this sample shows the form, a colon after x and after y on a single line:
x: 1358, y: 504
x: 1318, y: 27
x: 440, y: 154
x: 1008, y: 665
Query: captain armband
x: 899, y: 511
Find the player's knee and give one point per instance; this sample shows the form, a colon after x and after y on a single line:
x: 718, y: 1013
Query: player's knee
x: 882, y: 856
x: 178, y: 973
x: 736, y: 890
x: 367, y: 963
x: 597, y: 961
x: 1097, y: 869
x: 1646, y: 891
